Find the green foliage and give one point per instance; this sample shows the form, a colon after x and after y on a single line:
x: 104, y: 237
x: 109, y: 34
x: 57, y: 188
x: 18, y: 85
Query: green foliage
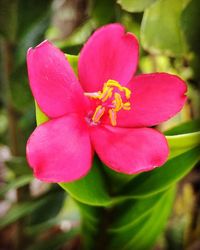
x: 179, y: 144
x: 54, y: 200
x: 73, y: 62
x: 142, y: 233
x: 40, y: 116
x: 18, y: 211
x: 19, y: 166
x: 19, y: 182
x: 161, y: 28
x: 191, y: 24
x: 185, y: 128
x: 30, y: 14
x: 131, y: 211
x: 135, y: 5
x: 33, y: 20
x: 8, y: 16
x: 98, y: 10
x: 57, y: 241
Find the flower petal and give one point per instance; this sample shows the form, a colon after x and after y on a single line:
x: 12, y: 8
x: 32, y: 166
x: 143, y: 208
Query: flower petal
x: 52, y: 81
x: 154, y: 99
x: 129, y: 150
x: 110, y: 53
x: 60, y: 150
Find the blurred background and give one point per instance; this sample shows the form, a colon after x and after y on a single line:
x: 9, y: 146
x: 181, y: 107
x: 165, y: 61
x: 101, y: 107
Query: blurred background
x: 34, y: 215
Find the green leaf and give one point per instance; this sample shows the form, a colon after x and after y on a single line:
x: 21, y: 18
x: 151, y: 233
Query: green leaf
x: 183, y: 137
x: 91, y: 220
x: 191, y: 25
x: 91, y: 189
x: 36, y: 209
x: 145, y: 239
x: 73, y: 60
x: 58, y: 212
x: 142, y: 234
x: 161, y: 30
x: 19, y: 182
x: 30, y: 14
x: 184, y: 128
x: 129, y: 212
x: 34, y: 230
x: 90, y: 213
x: 54, y: 200
x: 19, y: 74
x: 23, y: 23
x: 8, y: 19
x: 120, y: 239
x: 98, y: 11
x: 18, y: 211
x: 56, y: 242
x: 40, y: 116
x: 33, y: 36
x: 150, y: 231
x: 135, y: 5
x: 158, y: 180
x: 19, y: 166
x: 179, y: 144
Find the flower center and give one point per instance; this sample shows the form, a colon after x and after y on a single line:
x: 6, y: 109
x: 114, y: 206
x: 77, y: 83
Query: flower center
x: 111, y: 99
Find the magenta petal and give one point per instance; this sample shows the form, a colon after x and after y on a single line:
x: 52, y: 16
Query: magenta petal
x: 130, y: 150
x: 110, y: 53
x: 60, y: 150
x: 52, y: 81
x: 154, y: 99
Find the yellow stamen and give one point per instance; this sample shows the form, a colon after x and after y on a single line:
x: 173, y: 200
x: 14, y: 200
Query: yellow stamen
x: 111, y: 97
x: 127, y: 106
x: 107, y: 93
x: 113, y: 116
x: 98, y: 113
x: 127, y: 92
x: 118, y: 102
x: 112, y: 83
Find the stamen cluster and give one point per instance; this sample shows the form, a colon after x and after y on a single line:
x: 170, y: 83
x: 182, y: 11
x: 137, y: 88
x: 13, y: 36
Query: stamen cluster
x: 112, y: 99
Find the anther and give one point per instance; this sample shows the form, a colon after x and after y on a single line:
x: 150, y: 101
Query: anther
x: 127, y: 92
x: 126, y: 106
x: 98, y: 113
x: 118, y: 102
x: 113, y: 117
x: 107, y: 93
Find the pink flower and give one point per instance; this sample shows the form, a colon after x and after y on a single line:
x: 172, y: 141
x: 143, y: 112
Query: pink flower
x: 106, y: 110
